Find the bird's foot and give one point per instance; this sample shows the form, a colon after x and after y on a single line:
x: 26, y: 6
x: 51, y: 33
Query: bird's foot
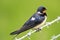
x: 38, y: 30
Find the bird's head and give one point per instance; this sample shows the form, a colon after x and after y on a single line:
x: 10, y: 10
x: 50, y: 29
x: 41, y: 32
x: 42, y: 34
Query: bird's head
x: 41, y: 9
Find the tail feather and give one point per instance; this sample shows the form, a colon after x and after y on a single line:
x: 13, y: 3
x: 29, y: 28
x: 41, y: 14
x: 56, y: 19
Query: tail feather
x: 15, y: 32
x: 24, y: 28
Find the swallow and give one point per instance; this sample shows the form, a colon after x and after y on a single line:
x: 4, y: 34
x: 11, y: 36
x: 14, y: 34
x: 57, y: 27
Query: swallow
x: 36, y: 21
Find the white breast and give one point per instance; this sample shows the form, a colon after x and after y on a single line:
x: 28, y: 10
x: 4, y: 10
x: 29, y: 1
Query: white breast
x: 40, y: 25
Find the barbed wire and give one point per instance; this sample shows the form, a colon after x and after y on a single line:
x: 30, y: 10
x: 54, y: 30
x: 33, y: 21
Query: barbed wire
x: 55, y: 37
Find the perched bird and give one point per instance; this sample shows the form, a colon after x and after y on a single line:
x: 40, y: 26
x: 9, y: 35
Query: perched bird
x: 36, y: 21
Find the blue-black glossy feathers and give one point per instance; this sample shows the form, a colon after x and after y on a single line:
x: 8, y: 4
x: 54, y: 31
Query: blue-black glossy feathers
x: 39, y: 18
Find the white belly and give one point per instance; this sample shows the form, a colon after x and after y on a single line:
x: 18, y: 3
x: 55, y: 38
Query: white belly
x: 40, y: 25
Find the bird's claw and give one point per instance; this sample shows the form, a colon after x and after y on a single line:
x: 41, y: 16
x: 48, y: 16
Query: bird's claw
x: 38, y: 30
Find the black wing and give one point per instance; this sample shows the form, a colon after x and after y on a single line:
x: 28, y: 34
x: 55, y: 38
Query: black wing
x: 32, y: 22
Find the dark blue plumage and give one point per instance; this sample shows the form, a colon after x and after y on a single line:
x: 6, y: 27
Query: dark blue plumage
x: 35, y: 20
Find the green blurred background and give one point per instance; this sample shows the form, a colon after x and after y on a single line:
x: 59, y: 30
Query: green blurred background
x: 14, y: 13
